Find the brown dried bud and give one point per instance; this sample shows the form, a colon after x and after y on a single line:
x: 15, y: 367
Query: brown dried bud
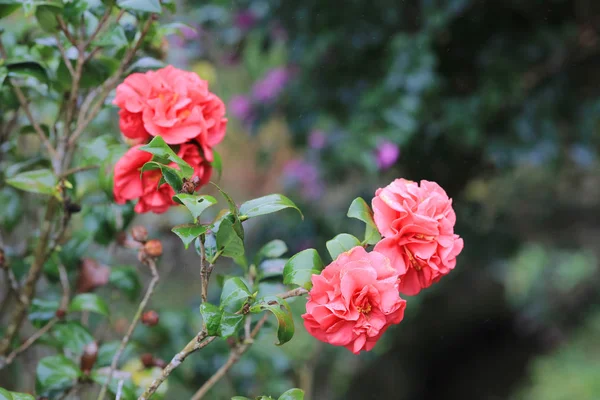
x: 121, y: 325
x: 60, y: 313
x: 91, y: 275
x: 188, y: 187
x: 147, y: 359
x: 153, y: 248
x: 89, y: 357
x: 139, y: 234
x: 150, y: 318
x: 121, y: 239
x: 160, y: 363
x: 2, y: 258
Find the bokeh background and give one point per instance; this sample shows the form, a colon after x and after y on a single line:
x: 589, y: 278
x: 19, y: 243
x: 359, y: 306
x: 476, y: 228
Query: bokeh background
x: 498, y: 102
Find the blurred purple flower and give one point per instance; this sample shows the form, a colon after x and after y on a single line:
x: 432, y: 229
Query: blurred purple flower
x: 317, y: 139
x: 189, y: 32
x: 271, y: 85
x: 387, y: 154
x: 307, y: 176
x: 245, y: 20
x: 241, y: 107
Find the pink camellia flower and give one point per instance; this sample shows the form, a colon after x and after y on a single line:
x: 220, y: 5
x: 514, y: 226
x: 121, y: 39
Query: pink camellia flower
x: 354, y: 300
x: 417, y: 223
x: 174, y: 104
x: 128, y: 185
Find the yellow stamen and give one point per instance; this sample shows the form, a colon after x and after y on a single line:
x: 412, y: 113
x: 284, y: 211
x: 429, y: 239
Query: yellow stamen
x: 364, y: 310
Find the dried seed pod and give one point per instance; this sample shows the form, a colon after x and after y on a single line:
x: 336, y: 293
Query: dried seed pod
x: 139, y: 234
x: 147, y: 359
x: 89, y: 357
x: 153, y: 248
x: 150, y: 318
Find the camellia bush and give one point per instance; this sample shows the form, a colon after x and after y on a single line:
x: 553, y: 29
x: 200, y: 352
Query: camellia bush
x: 57, y: 79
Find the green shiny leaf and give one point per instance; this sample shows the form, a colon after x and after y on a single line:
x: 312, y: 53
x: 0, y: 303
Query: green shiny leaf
x: 128, y: 390
x: 39, y: 181
x: 219, y: 322
x: 197, y: 204
x: 234, y: 295
x: 170, y: 175
x: 72, y: 336
x: 340, y: 244
x: 107, y: 351
x: 189, y: 232
x: 273, y: 249
x: 126, y: 279
x: 266, y: 205
x: 89, y: 302
x: 6, y: 395
x: 5, y: 10
x: 281, y: 309
x: 300, y: 268
x: 150, y: 6
x: 55, y: 374
x: 292, y: 394
x: 232, y: 206
x: 360, y: 210
x: 26, y: 69
x: 217, y: 164
x: 229, y: 242
x: 161, y: 149
x: 46, y: 18
x: 114, y: 37
x: 42, y: 310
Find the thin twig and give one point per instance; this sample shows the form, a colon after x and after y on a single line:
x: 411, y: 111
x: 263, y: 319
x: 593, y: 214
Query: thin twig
x: 65, y: 29
x: 115, y: 360
x: 63, y: 54
x: 197, y: 343
x: 119, y: 390
x: 203, y: 272
x: 25, y: 106
x: 234, y: 356
x: 100, y: 26
x: 77, y: 169
x: 64, y: 302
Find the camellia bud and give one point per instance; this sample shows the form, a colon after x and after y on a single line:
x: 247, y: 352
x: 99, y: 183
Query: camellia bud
x: 139, y: 234
x: 60, y: 313
x: 150, y: 318
x: 147, y: 359
x: 91, y: 275
x: 153, y: 248
x: 188, y: 187
x: 89, y: 357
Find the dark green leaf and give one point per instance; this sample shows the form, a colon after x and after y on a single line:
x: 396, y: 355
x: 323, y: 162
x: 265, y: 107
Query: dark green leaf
x: 188, y: 232
x: 292, y: 394
x: 170, y: 175
x: 3, y: 70
x: 234, y: 295
x: 43, y: 310
x: 300, y: 268
x: 55, y: 374
x: 126, y: 279
x: 360, y: 210
x: 229, y: 242
x: 12, y: 208
x: 145, y: 64
x: 232, y: 206
x: 272, y: 268
x: 266, y: 205
x: 151, y: 6
x: 39, y: 181
x: 89, y: 302
x: 114, y: 37
x: 108, y: 350
x: 72, y: 336
x: 273, y: 249
x: 217, y: 164
x: 159, y: 148
x: 6, y: 10
x: 6, y: 395
x: 219, y: 322
x: 46, y: 17
x: 197, y: 204
x: 340, y: 244
x: 281, y: 309
x: 25, y: 69
x: 128, y: 390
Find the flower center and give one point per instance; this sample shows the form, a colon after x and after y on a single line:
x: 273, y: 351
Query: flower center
x: 421, y: 236
x: 413, y: 261
x: 364, y: 310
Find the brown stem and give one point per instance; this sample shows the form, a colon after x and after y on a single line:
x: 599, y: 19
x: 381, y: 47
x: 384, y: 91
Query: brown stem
x: 115, y: 360
x: 203, y: 272
x: 234, y: 356
x: 63, y: 54
x: 63, y: 27
x: 64, y: 281
x: 77, y: 169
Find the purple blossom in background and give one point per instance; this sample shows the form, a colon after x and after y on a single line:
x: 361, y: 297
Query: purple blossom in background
x: 307, y: 176
x: 317, y: 139
x: 241, y: 107
x: 387, y: 154
x: 270, y: 87
x: 189, y: 33
x: 245, y: 20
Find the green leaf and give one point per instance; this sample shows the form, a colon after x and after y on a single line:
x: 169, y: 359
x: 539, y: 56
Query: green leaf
x: 188, y: 232
x: 55, y: 374
x: 300, y: 268
x: 46, y: 17
x: 3, y: 70
x: 240, y: 398
x: 232, y: 206
x: 89, y: 302
x: 126, y: 279
x: 39, y: 181
x: 114, y: 37
x: 145, y: 64
x: 6, y: 10
x: 292, y: 394
x: 234, y: 295
x: 219, y: 322
x: 217, y: 163
x: 43, y: 310
x: 229, y: 242
x: 159, y: 148
x: 266, y: 205
x: 26, y: 69
x: 281, y: 309
x: 151, y: 6
x: 197, y: 204
x: 72, y: 336
x: 6, y: 395
x: 273, y: 249
x: 170, y: 175
x: 128, y: 390
x: 108, y: 350
x: 340, y: 244
x: 360, y: 210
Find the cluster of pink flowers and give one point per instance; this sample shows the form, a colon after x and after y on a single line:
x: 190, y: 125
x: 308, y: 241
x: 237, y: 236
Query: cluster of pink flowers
x: 356, y: 297
x: 177, y: 106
